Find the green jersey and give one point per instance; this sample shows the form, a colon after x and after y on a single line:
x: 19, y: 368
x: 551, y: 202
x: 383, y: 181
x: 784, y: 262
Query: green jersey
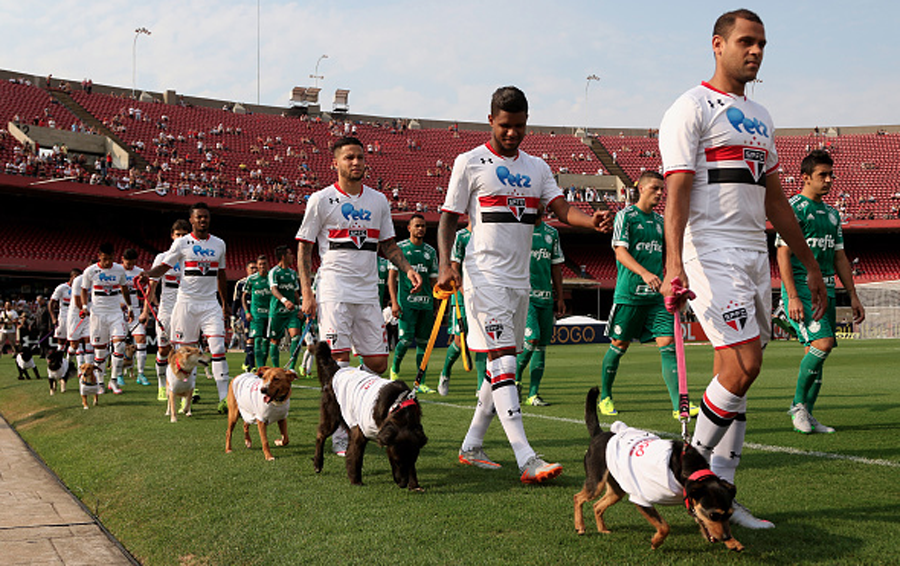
x: 423, y: 259
x: 545, y: 253
x: 288, y: 285
x: 641, y: 233
x: 383, y: 267
x: 257, y: 287
x: 821, y: 226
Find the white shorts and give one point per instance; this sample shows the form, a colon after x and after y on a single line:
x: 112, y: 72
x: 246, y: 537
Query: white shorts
x: 137, y: 328
x: 350, y: 325
x: 60, y: 333
x: 164, y: 314
x: 106, y: 326
x: 191, y: 318
x: 76, y: 332
x: 734, y: 296
x: 496, y: 317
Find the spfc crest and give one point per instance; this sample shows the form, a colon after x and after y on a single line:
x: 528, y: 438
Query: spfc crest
x: 756, y: 162
x: 358, y: 235
x: 516, y: 205
x: 493, y: 329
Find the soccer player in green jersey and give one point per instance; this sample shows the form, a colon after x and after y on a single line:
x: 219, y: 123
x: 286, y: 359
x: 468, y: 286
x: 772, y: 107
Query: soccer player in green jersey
x: 546, y: 281
x: 256, y: 305
x: 285, y: 286
x: 415, y: 311
x: 638, y: 309
x: 384, y: 301
x: 821, y: 225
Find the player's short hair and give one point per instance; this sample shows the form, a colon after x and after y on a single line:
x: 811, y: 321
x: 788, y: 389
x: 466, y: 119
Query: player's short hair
x: 181, y: 225
x: 646, y: 175
x: 509, y: 99
x: 416, y: 215
x: 815, y: 157
x: 261, y: 257
x: 75, y: 271
x: 280, y: 252
x: 130, y: 254
x: 726, y: 21
x: 198, y: 206
x: 107, y: 248
x: 344, y: 141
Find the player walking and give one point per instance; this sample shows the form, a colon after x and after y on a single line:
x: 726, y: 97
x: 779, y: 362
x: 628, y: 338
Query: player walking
x: 256, y: 298
x: 414, y: 311
x: 501, y: 189
x: 196, y: 311
x: 284, y: 285
x: 77, y: 327
x: 137, y: 329
x: 60, y: 302
x: 720, y: 163
x: 821, y: 225
x: 547, y: 260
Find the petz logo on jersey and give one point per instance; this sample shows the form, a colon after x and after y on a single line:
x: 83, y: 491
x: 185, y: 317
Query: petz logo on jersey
x: 357, y: 233
x: 756, y: 161
x: 349, y: 212
x: 750, y: 125
x: 510, y: 179
x: 494, y: 329
x: 736, y: 318
x: 104, y: 278
x: 200, y: 251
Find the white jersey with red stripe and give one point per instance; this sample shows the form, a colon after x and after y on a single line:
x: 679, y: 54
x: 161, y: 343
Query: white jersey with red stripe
x: 63, y: 295
x: 348, y: 230
x: 201, y: 261
x: 501, y: 196
x: 728, y: 143
x: 130, y: 274
x: 169, y: 283
x: 105, y: 285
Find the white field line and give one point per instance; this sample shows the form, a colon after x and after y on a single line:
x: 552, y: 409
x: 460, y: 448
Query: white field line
x: 751, y: 445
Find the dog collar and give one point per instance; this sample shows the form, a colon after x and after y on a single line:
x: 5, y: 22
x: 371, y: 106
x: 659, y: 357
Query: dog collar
x: 699, y: 475
x: 403, y: 401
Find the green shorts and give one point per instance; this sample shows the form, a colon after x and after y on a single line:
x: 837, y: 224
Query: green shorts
x: 279, y: 323
x: 639, y: 322
x: 258, y: 327
x: 809, y: 330
x: 416, y: 323
x: 539, y: 325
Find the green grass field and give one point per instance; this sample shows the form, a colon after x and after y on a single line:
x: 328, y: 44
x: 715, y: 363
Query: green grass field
x: 171, y: 495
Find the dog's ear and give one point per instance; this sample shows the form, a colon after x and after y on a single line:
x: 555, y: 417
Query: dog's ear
x: 261, y: 371
x: 292, y: 375
x: 387, y: 434
x: 729, y: 487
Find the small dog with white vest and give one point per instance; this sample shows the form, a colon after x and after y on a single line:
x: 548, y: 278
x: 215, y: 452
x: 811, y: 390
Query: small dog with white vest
x: 57, y: 370
x: 90, y: 383
x: 263, y: 397
x: 181, y: 378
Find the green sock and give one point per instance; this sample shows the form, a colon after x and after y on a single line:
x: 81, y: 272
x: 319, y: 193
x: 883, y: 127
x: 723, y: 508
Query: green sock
x: 609, y: 369
x: 537, y: 370
x: 481, y: 367
x: 453, y: 353
x: 670, y: 372
x: 260, y: 351
x: 420, y: 355
x: 812, y: 393
x: 295, y: 352
x: 810, y: 372
x: 399, y: 352
x: 523, y: 359
x: 274, y: 354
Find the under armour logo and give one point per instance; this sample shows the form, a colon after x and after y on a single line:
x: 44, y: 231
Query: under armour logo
x: 332, y: 200
x: 487, y: 160
x: 513, y: 412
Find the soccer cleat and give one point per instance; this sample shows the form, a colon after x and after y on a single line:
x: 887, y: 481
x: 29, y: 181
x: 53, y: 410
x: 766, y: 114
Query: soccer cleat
x: 819, y: 427
x: 301, y: 373
x: 142, y: 380
x: 339, y: 446
x: 222, y: 407
x: 743, y: 517
x: 536, y: 401
x: 444, y: 386
x: 394, y: 375
x: 422, y: 388
x: 161, y: 394
x: 536, y: 470
x: 245, y: 367
x: 693, y: 411
x: 114, y: 387
x: 477, y: 457
x: 800, y: 418
x: 606, y: 407
x: 121, y: 380
x: 183, y: 405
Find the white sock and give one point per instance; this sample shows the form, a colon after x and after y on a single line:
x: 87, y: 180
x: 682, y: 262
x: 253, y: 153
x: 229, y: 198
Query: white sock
x: 118, y: 359
x: 727, y: 455
x: 140, y: 358
x: 717, y: 411
x: 100, y: 355
x: 161, y: 365
x: 506, y: 402
x: 481, y: 420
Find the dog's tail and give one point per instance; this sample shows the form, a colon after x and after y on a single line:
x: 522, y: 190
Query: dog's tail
x: 590, y: 411
x: 325, y: 364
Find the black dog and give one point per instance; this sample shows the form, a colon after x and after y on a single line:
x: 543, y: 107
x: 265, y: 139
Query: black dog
x: 25, y: 362
x: 57, y: 370
x: 707, y: 497
x: 371, y: 408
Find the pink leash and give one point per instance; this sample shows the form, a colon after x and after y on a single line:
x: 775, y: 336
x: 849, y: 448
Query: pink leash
x: 684, y: 404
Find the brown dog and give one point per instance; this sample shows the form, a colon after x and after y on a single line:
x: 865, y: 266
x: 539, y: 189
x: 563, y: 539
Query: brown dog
x: 638, y: 458
x: 88, y: 384
x: 371, y: 408
x: 262, y: 398
x: 181, y: 378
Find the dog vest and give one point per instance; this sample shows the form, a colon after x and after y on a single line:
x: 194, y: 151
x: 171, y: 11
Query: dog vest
x: 20, y: 361
x: 357, y: 392
x: 640, y: 463
x: 251, y: 404
x: 59, y: 373
x: 178, y: 385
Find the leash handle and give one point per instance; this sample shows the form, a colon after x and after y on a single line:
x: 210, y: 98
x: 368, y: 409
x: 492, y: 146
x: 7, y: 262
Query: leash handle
x: 684, y: 403
x: 467, y: 364
x: 431, y: 339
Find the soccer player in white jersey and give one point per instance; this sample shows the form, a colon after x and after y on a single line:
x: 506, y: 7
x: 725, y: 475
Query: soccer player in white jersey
x: 60, y: 301
x: 137, y: 328
x: 78, y: 327
x: 168, y: 284
x: 720, y: 163
x: 501, y: 188
x: 202, y: 259
x: 351, y: 223
x: 104, y: 281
